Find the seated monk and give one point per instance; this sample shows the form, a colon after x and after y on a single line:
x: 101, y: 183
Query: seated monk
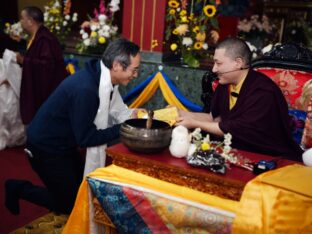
x: 246, y: 104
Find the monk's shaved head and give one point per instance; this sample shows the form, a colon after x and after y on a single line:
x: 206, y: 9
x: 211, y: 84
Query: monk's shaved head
x: 236, y: 48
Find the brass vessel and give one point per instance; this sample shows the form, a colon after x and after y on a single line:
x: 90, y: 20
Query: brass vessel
x: 136, y: 136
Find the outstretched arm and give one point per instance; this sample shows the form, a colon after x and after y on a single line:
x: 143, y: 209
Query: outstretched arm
x: 203, y: 121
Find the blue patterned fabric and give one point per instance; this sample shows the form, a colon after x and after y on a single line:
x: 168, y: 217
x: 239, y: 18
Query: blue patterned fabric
x: 298, y: 118
x: 117, y: 206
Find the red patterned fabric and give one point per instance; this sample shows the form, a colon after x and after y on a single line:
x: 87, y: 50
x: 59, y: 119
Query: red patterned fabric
x: 307, y: 133
x: 291, y: 83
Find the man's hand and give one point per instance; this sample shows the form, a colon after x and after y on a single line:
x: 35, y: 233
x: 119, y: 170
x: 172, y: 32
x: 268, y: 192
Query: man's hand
x: 19, y: 58
x: 137, y: 113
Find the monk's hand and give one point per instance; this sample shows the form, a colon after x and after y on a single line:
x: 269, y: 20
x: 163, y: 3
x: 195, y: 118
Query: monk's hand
x: 183, y: 113
x: 19, y: 58
x: 186, y: 122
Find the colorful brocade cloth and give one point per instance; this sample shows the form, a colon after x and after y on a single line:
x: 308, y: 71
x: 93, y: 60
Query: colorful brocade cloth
x: 279, y: 201
x: 136, y: 203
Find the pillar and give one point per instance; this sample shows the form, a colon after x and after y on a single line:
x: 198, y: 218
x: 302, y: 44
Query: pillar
x: 144, y: 23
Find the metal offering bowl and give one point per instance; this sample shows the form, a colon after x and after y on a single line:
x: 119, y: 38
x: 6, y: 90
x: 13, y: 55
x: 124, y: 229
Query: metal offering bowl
x: 135, y: 135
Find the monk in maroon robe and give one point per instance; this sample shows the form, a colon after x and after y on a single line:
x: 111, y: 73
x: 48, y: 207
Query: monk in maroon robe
x: 43, y: 64
x: 246, y: 104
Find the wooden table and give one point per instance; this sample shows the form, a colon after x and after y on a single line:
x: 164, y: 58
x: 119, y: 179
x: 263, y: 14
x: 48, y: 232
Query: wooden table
x: 176, y: 170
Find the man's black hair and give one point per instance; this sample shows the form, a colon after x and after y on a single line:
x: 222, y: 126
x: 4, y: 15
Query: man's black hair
x: 120, y: 50
x: 35, y: 13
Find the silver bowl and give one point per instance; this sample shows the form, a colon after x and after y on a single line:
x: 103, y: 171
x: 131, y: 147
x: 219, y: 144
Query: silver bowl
x: 135, y: 135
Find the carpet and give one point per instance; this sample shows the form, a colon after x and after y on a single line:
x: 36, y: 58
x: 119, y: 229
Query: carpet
x: 50, y: 223
x: 15, y: 165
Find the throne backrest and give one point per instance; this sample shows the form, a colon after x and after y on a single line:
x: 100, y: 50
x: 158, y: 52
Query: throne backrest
x: 290, y: 67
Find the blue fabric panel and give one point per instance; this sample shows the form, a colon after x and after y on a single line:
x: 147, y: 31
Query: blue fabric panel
x: 189, y: 105
x: 117, y: 206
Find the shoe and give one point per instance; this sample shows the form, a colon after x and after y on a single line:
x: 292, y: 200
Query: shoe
x: 13, y: 190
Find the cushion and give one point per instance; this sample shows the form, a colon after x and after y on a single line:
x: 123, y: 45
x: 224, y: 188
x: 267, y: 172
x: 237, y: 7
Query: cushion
x: 297, y: 118
x: 291, y: 83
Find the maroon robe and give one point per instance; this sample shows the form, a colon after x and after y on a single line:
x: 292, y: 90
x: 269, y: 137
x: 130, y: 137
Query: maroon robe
x: 259, y: 121
x: 43, y: 70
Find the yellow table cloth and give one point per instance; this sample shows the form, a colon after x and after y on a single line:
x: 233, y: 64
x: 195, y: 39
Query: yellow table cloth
x: 279, y: 201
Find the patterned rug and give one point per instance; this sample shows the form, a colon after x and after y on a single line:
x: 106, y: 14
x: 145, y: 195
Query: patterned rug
x: 47, y: 224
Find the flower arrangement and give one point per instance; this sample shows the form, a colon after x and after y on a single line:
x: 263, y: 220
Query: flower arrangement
x: 58, y: 19
x: 191, y: 27
x: 99, y: 30
x: 15, y: 31
x: 298, y: 31
x: 216, y: 156
x: 258, y: 32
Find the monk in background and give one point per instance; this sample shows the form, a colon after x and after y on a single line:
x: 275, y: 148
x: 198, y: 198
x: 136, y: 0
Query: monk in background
x: 43, y: 64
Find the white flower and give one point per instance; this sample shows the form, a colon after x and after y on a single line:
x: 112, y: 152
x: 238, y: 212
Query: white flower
x: 100, y: 32
x: 227, y: 139
x: 195, y: 135
x: 102, y: 18
x: 205, y: 46
x: 267, y: 48
x: 106, y: 27
x: 93, y: 27
x: 82, y: 31
x: 64, y: 23
x: 114, y: 29
x: 101, y: 26
x: 75, y: 14
x: 57, y: 28
x: 106, y: 34
x: 207, y: 139
x: 251, y: 47
x: 187, y: 41
x: 114, y: 5
x: 114, y: 8
x: 85, y: 36
x: 227, y: 142
x: 56, y: 4
x: 227, y: 149
x: 86, y: 42
x: 67, y: 17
